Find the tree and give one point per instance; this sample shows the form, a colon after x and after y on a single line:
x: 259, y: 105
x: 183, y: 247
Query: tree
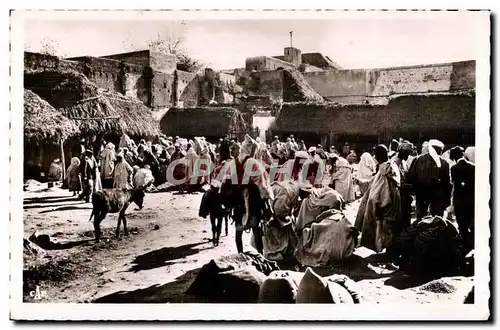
x: 174, y: 45
x: 49, y: 46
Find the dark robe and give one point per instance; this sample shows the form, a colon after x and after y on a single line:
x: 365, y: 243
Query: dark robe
x: 431, y: 185
x: 463, y: 177
x: 224, y: 150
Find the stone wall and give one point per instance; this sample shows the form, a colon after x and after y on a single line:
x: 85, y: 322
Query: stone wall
x: 435, y: 78
x: 338, y: 83
x: 138, y: 86
x: 138, y: 58
x: 166, y: 63
x: 265, y: 63
x: 106, y: 80
x: 309, y: 68
x: 34, y: 61
x: 265, y: 83
x: 71, y: 65
x: 354, y: 85
x: 105, y: 73
x: 187, y: 88
x: 463, y: 75
x: 162, y: 89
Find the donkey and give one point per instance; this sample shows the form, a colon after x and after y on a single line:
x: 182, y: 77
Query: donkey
x: 115, y: 200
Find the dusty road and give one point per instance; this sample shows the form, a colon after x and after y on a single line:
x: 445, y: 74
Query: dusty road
x: 167, y: 244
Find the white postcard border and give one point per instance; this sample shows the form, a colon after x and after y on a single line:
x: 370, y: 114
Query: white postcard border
x: 30, y: 311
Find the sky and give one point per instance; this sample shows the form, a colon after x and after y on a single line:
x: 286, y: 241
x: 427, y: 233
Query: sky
x: 224, y: 44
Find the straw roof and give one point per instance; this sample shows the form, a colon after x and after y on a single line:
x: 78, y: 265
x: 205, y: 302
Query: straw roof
x: 203, y: 121
x: 296, y: 88
x: 110, y: 112
x: 44, y: 123
x: 94, y: 110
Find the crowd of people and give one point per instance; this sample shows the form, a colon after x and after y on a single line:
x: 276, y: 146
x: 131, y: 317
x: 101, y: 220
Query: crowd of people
x: 390, y: 180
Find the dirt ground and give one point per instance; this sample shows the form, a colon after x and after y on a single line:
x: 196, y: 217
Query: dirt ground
x: 168, y: 243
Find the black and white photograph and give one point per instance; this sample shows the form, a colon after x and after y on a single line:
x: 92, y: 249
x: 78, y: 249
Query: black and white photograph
x: 250, y: 165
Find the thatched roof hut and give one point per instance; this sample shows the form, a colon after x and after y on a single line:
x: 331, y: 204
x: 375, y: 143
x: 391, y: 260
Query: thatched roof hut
x: 297, y: 89
x: 43, y: 123
x: 211, y: 122
x: 110, y: 112
x: 448, y: 116
x: 94, y: 110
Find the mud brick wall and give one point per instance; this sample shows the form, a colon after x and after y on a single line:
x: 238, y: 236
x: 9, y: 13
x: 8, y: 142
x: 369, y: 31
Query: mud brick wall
x: 138, y: 58
x: 34, y: 61
x: 162, y: 89
x: 463, y: 75
x: 449, y: 118
x: 190, y: 96
x: 166, y: 63
x: 264, y: 83
x: 188, y: 90
x: 350, y: 86
x: 138, y: 86
x: 338, y: 83
x: 411, y: 80
x: 265, y: 63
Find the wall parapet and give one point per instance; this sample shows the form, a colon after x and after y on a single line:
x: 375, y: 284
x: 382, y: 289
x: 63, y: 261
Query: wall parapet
x: 383, y: 82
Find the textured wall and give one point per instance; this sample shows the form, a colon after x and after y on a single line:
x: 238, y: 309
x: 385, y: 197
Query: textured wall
x: 162, y: 62
x: 352, y: 85
x: 162, y: 87
x: 411, y: 80
x: 187, y: 88
x: 138, y: 58
x: 136, y: 85
x: 309, y: 68
x: 264, y: 63
x: 266, y: 83
x: 34, y: 61
x: 106, y: 80
x: 293, y: 55
x: 71, y: 65
x: 338, y: 83
x: 463, y: 75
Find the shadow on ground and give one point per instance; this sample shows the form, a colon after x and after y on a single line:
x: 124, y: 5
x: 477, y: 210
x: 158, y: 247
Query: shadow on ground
x: 50, y: 199
x: 54, y: 205
x: 67, y: 208
x: 356, y: 267
x: 160, y: 257
x: 166, y: 293
x: 45, y: 243
x: 403, y: 282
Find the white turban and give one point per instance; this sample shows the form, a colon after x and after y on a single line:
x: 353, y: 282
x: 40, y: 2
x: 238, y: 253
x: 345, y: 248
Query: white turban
x: 470, y: 153
x: 436, y: 143
x: 425, y: 148
x: 301, y: 154
x: 249, y: 146
x: 432, y: 151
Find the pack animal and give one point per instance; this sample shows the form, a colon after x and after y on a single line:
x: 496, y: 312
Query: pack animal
x: 114, y: 201
x: 213, y: 205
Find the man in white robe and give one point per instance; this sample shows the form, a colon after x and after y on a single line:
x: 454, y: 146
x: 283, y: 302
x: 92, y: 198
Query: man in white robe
x: 123, y: 173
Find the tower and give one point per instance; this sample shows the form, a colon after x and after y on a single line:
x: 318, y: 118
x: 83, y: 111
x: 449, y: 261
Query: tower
x: 293, y: 55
